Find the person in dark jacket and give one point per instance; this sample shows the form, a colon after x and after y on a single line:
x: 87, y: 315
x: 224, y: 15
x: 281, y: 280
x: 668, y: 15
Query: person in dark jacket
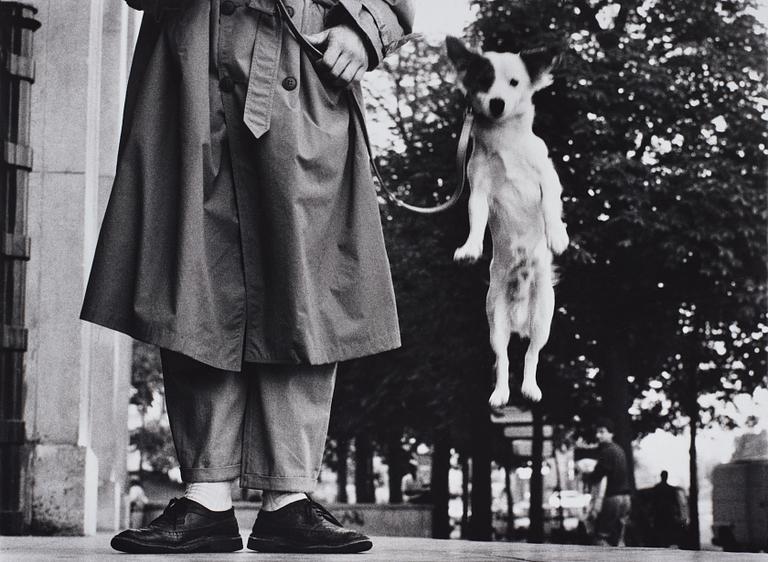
x: 613, y: 501
x: 242, y: 237
x: 667, y: 518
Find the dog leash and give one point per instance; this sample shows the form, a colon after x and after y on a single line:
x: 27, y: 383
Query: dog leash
x: 462, y: 151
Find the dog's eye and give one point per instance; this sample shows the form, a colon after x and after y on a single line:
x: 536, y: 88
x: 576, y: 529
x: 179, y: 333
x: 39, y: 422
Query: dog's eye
x: 513, y: 82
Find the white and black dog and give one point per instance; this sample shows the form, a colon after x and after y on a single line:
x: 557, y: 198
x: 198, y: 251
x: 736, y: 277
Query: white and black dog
x: 516, y: 191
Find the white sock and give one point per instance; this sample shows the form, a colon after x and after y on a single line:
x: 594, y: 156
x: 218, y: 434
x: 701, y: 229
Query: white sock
x: 273, y: 500
x: 216, y: 496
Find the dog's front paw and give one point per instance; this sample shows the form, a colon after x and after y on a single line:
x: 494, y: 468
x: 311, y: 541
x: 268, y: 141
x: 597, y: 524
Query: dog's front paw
x: 557, y: 239
x: 531, y: 391
x: 468, y: 253
x: 499, y: 397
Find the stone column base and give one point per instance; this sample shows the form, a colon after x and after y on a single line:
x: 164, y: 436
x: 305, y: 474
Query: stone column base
x: 65, y: 481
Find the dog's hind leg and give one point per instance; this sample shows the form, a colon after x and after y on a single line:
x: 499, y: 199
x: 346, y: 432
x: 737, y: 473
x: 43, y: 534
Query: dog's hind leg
x: 497, y: 308
x: 542, y: 307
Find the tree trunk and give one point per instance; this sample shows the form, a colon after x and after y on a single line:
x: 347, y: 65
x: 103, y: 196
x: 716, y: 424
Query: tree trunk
x: 441, y: 463
x: 364, y: 487
x: 535, y: 510
x: 342, y: 453
x: 141, y: 445
x: 693, y: 500
x: 480, y: 522
x: 618, y: 401
x: 395, y: 456
x: 466, y: 475
x: 510, y: 500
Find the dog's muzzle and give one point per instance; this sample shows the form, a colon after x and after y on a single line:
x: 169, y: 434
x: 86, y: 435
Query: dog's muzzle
x: 496, y: 107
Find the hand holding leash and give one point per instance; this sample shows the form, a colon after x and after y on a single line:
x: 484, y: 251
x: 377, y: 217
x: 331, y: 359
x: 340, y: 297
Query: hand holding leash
x: 343, y: 54
x: 319, y: 60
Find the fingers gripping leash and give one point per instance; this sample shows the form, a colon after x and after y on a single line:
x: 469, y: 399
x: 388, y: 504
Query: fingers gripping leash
x: 462, y: 152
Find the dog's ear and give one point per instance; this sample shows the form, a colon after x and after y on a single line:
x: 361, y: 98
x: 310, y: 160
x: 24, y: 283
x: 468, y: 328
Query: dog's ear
x: 475, y: 72
x: 458, y: 53
x: 540, y: 62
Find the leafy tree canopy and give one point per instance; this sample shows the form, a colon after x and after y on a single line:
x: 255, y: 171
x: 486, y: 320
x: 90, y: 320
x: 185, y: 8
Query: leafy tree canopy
x: 656, y: 124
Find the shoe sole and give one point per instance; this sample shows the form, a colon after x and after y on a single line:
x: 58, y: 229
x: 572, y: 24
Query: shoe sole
x: 277, y: 544
x: 201, y: 544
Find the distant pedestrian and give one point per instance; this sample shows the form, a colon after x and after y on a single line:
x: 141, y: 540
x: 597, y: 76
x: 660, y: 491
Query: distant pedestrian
x: 666, y: 514
x: 413, y: 487
x: 612, y: 505
x: 409, y: 484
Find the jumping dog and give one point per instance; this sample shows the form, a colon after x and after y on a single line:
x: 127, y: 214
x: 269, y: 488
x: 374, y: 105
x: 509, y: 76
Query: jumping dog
x: 515, y: 191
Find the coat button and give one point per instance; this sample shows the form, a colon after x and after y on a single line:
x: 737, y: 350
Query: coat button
x: 226, y: 84
x: 290, y: 83
x: 227, y: 7
x: 289, y: 9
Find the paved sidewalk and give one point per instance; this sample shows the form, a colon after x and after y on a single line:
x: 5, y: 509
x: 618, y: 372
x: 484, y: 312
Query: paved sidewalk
x: 386, y: 549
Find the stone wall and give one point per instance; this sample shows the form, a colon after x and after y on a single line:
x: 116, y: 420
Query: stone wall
x: 77, y: 375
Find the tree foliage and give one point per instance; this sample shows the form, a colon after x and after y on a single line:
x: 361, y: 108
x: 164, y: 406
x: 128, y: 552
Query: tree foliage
x: 146, y: 376
x: 155, y: 442
x: 153, y: 438
x: 656, y: 124
x: 657, y: 127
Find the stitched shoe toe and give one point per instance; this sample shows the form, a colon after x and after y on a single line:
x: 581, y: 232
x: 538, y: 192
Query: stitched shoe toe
x: 184, y: 526
x: 304, y: 526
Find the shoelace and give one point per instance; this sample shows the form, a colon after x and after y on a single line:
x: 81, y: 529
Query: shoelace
x: 172, y: 512
x: 322, y: 512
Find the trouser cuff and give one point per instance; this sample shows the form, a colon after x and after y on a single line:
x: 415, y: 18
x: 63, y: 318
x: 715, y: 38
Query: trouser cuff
x: 217, y: 474
x: 278, y: 483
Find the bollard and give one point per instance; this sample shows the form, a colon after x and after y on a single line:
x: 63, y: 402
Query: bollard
x: 17, y: 73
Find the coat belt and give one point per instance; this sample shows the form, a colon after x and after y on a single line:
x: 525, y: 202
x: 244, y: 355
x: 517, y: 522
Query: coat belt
x: 265, y: 66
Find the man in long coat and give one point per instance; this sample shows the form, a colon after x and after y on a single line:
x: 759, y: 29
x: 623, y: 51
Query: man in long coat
x: 243, y: 237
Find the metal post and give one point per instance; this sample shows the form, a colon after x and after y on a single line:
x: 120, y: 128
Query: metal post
x: 17, y: 73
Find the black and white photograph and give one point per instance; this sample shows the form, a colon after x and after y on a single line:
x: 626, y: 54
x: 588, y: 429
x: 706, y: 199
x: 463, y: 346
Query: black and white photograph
x: 388, y: 280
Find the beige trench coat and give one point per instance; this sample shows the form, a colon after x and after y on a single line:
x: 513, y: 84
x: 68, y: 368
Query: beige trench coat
x: 243, y: 224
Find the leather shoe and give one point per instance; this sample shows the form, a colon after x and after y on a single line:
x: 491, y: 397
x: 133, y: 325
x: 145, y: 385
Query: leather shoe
x: 304, y: 526
x: 184, y: 526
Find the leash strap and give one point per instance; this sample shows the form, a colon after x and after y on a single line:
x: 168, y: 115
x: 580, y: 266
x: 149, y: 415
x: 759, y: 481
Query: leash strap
x: 462, y: 151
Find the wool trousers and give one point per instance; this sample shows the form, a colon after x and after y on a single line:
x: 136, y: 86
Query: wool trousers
x: 266, y: 424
